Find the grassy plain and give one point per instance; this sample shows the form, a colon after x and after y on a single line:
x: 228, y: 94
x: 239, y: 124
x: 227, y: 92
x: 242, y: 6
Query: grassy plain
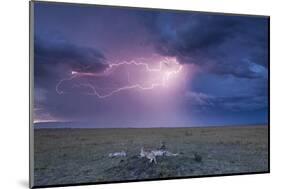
x: 67, y: 156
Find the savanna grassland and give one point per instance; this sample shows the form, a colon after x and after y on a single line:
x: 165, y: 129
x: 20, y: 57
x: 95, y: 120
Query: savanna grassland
x: 67, y: 156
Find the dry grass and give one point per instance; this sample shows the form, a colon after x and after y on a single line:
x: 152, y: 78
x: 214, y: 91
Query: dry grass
x: 64, y: 156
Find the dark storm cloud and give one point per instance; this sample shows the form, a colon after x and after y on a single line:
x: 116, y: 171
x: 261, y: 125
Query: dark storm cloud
x: 228, y: 82
x: 204, y: 102
x: 230, y: 51
x: 55, y: 57
x: 225, y: 45
x: 220, y: 92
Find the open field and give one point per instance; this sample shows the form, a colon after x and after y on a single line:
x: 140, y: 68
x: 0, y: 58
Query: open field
x: 65, y: 156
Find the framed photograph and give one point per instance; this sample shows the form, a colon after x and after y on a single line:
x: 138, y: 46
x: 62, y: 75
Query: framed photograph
x: 122, y: 94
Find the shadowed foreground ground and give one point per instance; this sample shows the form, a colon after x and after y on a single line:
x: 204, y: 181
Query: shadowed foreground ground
x: 67, y: 156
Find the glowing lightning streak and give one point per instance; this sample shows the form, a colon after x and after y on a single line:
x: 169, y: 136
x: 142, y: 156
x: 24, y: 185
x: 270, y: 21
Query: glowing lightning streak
x: 165, y: 78
x: 136, y: 86
x: 63, y: 80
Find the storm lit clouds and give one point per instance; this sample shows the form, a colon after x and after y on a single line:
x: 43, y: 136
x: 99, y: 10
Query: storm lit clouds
x: 224, y: 62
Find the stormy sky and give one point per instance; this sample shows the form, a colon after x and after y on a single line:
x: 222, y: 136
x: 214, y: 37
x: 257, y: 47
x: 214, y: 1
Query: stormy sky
x: 122, y: 67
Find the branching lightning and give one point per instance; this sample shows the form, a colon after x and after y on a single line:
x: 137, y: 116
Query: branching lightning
x: 163, y: 69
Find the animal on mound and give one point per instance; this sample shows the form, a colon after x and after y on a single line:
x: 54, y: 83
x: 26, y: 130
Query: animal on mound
x: 151, y: 155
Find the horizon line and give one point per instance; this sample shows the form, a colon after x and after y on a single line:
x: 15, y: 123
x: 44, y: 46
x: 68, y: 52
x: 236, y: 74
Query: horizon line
x: 152, y: 127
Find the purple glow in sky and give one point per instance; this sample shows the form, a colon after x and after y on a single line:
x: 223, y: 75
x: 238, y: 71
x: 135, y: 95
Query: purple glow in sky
x: 100, y: 66
x: 140, y: 76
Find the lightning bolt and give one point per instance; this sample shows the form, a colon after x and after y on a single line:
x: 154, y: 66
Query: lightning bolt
x: 165, y: 77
